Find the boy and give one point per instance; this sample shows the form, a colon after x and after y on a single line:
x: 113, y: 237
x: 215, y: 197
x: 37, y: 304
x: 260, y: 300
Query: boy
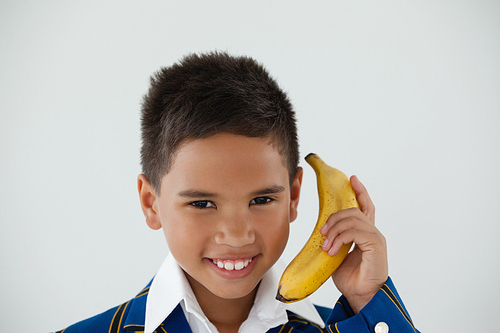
x: 221, y: 178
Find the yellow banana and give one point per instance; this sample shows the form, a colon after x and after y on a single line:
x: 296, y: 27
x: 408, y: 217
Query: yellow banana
x: 313, y: 266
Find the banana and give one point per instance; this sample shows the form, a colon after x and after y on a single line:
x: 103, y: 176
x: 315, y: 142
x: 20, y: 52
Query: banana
x: 313, y: 266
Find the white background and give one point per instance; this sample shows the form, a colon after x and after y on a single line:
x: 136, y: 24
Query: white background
x: 404, y: 94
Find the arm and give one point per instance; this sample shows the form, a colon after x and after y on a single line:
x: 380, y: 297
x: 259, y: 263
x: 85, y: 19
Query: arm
x: 369, y: 296
x: 386, y: 307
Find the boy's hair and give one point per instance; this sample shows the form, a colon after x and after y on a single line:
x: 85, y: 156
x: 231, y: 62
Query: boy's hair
x: 213, y: 93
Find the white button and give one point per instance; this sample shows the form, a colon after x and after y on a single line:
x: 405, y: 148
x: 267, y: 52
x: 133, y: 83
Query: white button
x: 381, y: 328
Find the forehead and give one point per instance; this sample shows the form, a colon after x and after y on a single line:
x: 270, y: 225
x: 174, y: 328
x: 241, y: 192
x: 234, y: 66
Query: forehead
x: 226, y: 161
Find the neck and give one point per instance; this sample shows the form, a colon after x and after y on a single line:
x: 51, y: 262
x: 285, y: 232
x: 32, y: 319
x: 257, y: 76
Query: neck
x: 226, y: 314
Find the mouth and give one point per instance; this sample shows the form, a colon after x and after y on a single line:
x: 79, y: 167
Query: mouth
x: 232, y: 264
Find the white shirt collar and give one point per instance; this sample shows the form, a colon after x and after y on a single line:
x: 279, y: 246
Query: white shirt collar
x: 171, y: 287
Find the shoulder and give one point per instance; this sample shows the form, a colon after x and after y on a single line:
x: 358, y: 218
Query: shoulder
x: 99, y: 323
x: 116, y: 319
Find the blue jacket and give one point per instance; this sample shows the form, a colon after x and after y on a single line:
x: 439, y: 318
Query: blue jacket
x: 386, y: 306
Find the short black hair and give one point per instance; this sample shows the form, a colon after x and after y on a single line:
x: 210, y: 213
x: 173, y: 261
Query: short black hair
x: 211, y: 93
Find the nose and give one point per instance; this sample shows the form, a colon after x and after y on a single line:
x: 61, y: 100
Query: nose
x: 235, y: 231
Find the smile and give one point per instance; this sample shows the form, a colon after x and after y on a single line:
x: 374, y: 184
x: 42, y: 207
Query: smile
x: 230, y: 265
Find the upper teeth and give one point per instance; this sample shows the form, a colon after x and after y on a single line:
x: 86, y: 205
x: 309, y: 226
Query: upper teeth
x: 232, y: 264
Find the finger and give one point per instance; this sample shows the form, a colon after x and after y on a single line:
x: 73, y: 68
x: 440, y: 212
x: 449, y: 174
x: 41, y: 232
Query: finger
x: 359, y: 237
x: 358, y: 223
x: 342, y: 215
x: 365, y: 202
x: 365, y: 240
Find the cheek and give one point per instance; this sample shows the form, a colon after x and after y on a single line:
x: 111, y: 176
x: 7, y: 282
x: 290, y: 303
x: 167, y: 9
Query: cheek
x: 276, y: 230
x: 183, y: 233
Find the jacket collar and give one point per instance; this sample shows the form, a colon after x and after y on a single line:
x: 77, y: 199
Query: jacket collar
x: 136, y: 313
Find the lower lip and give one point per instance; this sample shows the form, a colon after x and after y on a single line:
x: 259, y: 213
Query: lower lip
x: 233, y: 274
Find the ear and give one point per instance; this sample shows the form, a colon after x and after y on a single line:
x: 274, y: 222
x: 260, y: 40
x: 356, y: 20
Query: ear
x: 295, y: 193
x: 149, y: 202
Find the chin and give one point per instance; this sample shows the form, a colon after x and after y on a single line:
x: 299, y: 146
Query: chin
x: 234, y: 292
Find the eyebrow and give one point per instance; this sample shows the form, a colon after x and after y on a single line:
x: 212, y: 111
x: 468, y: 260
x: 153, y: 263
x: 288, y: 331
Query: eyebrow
x: 195, y: 194
x: 274, y: 189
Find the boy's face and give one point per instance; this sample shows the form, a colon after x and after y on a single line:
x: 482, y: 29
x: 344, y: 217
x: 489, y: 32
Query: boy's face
x: 225, y: 208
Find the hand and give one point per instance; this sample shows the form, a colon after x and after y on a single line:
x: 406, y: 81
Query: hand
x: 364, y: 271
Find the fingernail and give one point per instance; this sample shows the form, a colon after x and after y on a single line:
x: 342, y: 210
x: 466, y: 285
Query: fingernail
x: 325, y: 243
x: 323, y: 229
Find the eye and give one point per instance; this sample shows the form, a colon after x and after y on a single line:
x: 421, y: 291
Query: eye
x: 203, y: 204
x: 260, y: 200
